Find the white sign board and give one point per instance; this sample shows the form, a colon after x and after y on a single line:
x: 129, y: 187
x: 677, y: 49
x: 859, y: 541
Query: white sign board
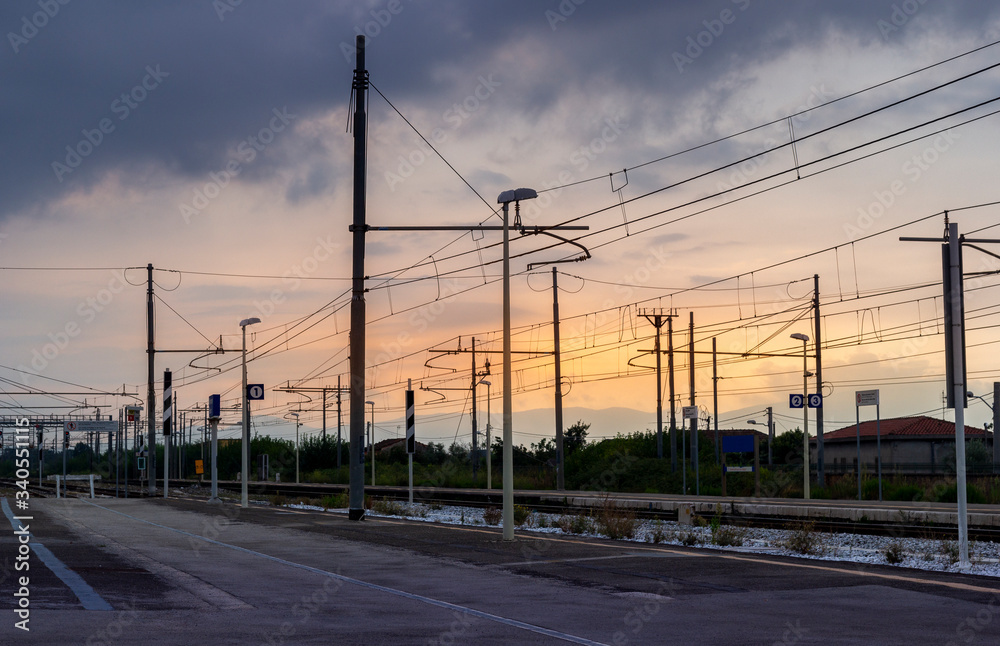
x: 690, y: 412
x: 866, y: 397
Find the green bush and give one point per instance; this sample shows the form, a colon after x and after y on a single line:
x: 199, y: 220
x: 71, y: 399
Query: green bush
x: 950, y: 494
x: 904, y: 491
x: 522, y: 515
x: 335, y: 501
x: 616, y: 522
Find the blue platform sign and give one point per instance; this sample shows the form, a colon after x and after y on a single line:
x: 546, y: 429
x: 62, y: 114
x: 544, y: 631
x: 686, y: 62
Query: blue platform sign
x: 215, y: 406
x: 796, y: 401
x: 255, y: 391
x: 816, y: 400
x: 737, y: 444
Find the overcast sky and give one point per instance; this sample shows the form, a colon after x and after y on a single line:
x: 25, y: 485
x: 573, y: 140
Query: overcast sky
x: 210, y: 140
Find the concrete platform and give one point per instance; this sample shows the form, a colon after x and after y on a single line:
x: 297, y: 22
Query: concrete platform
x: 181, y: 571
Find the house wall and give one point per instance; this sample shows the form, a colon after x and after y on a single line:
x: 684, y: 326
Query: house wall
x: 898, y: 456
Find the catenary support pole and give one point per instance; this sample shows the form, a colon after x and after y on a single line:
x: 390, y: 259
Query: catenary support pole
x: 820, y: 471
x: 357, y: 341
x: 560, y: 455
x: 954, y: 300
x: 508, y: 408
x: 475, y: 424
x: 673, y: 397
x: 715, y: 399
x: 150, y: 385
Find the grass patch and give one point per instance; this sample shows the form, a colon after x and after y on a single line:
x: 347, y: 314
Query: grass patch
x: 335, y: 501
x: 894, y: 553
x: 390, y: 507
x: 575, y: 524
x: 804, y: 539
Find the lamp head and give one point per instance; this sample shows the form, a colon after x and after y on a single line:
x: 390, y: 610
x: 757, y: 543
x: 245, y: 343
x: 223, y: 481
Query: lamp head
x: 249, y: 321
x: 800, y: 336
x: 516, y: 195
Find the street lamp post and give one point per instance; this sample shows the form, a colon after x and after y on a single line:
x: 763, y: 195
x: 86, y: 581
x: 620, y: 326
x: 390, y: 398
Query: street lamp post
x: 489, y: 462
x: 505, y: 198
x: 996, y: 422
x: 244, y: 492
x: 805, y: 414
x: 372, y: 404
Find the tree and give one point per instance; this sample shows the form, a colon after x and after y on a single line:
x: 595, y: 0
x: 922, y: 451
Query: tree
x: 788, y: 447
x: 575, y: 437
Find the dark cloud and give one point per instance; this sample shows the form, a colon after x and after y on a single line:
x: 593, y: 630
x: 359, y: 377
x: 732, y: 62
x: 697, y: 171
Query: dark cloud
x: 214, y: 80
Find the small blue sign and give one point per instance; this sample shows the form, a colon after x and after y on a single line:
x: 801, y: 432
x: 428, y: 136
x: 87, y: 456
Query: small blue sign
x: 737, y: 444
x: 815, y: 400
x: 255, y: 391
x: 796, y: 401
x: 214, y: 406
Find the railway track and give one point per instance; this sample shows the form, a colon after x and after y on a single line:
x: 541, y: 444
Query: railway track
x: 538, y: 501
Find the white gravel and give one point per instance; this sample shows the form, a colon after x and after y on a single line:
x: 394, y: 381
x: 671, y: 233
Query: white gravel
x: 919, y: 553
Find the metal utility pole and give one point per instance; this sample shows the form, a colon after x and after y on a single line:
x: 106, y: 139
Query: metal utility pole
x: 954, y: 299
x: 324, y: 390
x: 475, y: 427
x: 819, y: 385
x: 150, y: 385
x: 770, y: 437
x: 670, y: 388
x: 357, y: 359
x: 715, y: 399
x: 340, y: 423
x: 657, y: 318
x: 560, y: 454
x: 955, y: 360
x: 694, y: 422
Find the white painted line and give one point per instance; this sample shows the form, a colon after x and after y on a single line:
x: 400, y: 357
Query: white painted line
x: 86, y: 594
x: 373, y: 586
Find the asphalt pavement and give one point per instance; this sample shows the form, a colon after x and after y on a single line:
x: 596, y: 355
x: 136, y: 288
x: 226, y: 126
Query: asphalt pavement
x: 181, y: 571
